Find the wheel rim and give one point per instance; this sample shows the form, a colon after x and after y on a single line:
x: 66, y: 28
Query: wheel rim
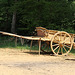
x: 61, y: 43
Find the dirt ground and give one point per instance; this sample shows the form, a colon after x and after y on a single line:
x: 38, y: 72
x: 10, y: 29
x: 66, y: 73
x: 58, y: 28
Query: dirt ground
x: 17, y: 62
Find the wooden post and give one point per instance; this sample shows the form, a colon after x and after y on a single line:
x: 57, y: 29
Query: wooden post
x: 39, y: 46
x: 31, y: 45
x: 15, y: 41
x: 22, y: 41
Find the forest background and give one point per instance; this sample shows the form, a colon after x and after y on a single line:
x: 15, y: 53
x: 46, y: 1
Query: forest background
x: 22, y: 16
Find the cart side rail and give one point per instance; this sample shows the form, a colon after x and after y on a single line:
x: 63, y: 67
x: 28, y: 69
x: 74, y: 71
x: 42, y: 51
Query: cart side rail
x: 43, y: 32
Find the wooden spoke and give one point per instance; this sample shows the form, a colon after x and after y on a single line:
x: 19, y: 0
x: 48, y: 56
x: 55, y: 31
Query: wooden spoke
x: 61, y: 50
x: 64, y: 36
x: 60, y: 36
x: 55, y: 45
x: 67, y: 46
x: 56, y: 48
x: 55, y: 39
x: 66, y: 39
x: 64, y: 49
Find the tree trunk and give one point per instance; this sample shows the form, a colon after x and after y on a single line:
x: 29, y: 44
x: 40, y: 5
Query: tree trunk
x: 13, y: 21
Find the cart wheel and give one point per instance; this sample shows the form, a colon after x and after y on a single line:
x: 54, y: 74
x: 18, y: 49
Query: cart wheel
x: 45, y: 47
x: 61, y: 43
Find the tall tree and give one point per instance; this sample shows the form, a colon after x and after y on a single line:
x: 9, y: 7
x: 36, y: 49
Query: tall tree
x: 13, y: 21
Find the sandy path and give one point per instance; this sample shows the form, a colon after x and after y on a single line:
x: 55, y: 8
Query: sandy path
x: 16, y: 62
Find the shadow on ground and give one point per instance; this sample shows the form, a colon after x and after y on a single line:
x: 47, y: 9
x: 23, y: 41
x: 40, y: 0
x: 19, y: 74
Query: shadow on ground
x: 70, y: 59
x: 42, y: 53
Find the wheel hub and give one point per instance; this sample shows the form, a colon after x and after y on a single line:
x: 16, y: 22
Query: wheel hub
x: 61, y: 44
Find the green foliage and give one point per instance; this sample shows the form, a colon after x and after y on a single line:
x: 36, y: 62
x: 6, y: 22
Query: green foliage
x: 52, y: 14
x: 5, y: 15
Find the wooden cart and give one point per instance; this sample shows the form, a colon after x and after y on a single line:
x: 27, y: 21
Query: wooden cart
x: 59, y: 42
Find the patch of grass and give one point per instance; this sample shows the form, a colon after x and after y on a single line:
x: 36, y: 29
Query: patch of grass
x: 72, y: 51
x: 27, y: 47
x: 6, y: 42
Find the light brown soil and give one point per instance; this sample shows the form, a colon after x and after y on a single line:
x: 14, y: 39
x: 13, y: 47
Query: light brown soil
x: 17, y: 62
